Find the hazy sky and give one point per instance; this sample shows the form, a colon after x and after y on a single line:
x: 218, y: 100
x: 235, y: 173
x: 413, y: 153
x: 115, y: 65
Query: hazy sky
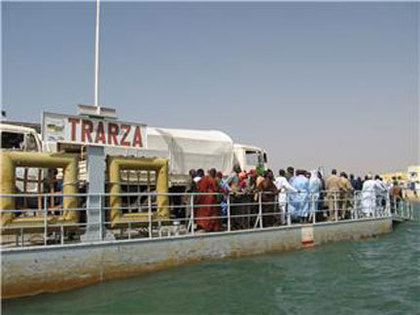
x: 332, y: 84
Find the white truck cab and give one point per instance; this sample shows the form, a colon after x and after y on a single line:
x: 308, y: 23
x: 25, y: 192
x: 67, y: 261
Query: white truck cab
x: 250, y: 157
x: 19, y: 138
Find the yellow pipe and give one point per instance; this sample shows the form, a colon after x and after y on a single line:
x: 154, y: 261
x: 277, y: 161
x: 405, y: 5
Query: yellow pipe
x: 7, y: 179
x: 116, y: 164
x: 12, y: 159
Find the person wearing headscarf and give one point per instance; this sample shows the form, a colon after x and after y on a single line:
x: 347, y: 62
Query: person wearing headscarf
x: 251, y: 181
x: 206, y: 205
x: 260, y: 175
x: 233, y: 178
x: 198, y: 175
x: 242, y: 180
x: 268, y: 190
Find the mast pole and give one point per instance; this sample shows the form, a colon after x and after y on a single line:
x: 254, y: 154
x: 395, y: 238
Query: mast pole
x: 98, y: 7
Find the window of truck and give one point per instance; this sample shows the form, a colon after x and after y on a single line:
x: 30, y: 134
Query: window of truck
x: 12, y: 140
x: 30, y: 143
x: 252, y: 158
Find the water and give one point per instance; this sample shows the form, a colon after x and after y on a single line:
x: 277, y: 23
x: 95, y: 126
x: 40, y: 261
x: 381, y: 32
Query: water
x: 373, y: 276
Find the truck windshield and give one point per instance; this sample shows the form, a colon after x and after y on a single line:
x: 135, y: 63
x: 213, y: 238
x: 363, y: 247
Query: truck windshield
x: 252, y: 158
x: 12, y: 140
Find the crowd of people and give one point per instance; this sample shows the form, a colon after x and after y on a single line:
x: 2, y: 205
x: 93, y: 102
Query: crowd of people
x: 297, y: 194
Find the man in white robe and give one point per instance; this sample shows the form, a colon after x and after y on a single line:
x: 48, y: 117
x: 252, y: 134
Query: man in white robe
x: 315, y: 187
x: 284, y: 187
x: 369, y: 194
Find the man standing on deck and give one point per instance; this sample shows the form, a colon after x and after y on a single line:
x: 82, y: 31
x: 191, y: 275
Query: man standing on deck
x: 381, y: 193
x: 345, y: 193
x: 283, y: 187
x: 369, y: 195
x: 353, y: 182
x: 395, y: 195
x: 332, y: 185
x: 233, y: 179
x: 290, y: 175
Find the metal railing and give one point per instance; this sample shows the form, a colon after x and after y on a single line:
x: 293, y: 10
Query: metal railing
x: 191, y: 214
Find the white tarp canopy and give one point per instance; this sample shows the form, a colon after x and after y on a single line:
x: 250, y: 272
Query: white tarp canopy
x: 186, y: 149
x: 192, y: 149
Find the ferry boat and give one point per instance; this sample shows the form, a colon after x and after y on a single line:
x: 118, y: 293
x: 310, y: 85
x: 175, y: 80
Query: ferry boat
x: 90, y: 203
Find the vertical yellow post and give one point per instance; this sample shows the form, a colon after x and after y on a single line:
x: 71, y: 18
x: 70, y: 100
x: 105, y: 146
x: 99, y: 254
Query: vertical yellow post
x: 7, y: 180
x: 114, y: 189
x: 70, y: 188
x: 162, y: 187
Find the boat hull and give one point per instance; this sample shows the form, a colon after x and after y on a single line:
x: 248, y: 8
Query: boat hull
x: 29, y: 271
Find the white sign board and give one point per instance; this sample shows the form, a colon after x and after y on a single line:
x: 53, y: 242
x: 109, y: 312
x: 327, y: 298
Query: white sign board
x: 86, y: 130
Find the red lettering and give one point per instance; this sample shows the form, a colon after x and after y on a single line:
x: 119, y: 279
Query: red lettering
x: 73, y: 122
x: 113, y: 131
x: 87, y: 129
x: 100, y: 133
x: 137, y: 141
x: 126, y: 129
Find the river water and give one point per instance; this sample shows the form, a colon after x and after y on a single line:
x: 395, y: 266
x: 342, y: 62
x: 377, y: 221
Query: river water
x: 372, y: 276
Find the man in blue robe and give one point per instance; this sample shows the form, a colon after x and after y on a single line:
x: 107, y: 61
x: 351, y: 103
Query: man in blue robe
x: 299, y: 202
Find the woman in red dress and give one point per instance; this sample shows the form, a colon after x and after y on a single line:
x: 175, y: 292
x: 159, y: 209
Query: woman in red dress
x: 206, y: 205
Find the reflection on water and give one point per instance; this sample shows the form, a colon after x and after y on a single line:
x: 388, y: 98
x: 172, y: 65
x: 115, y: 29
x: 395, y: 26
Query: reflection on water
x: 374, y: 276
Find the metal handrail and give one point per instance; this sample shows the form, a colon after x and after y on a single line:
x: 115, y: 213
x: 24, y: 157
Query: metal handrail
x: 348, y: 208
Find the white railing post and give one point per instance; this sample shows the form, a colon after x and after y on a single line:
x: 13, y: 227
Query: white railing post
x: 22, y: 237
x: 375, y: 206
x: 61, y: 234
x: 192, y: 213
x: 45, y: 220
x: 355, y: 214
x: 412, y: 217
x: 101, y: 223
x: 313, y: 209
x: 335, y: 206
x: 149, y: 214
x: 260, y: 209
x: 288, y: 215
x: 228, y: 212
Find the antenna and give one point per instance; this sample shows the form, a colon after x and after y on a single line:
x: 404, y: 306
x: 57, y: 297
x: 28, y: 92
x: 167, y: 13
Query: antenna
x: 96, y: 110
x: 98, y: 9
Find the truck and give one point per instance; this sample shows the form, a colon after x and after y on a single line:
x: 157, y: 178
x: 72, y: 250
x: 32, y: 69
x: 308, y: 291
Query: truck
x: 18, y: 137
x: 185, y: 149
